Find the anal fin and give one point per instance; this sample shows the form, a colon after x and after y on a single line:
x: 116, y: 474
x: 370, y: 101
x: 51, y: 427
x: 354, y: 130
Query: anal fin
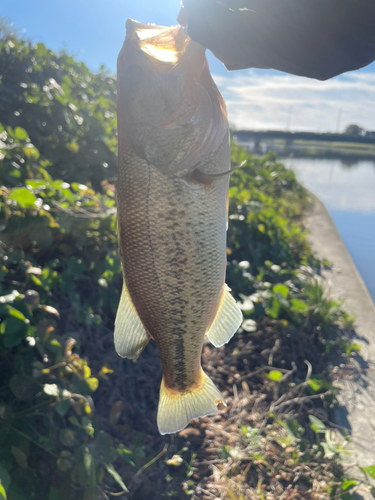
x: 130, y: 334
x: 227, y: 321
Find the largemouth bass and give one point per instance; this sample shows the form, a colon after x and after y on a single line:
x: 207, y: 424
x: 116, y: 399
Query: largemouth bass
x: 173, y: 177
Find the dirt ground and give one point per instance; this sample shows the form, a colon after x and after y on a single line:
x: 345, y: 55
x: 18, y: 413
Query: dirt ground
x: 244, y: 451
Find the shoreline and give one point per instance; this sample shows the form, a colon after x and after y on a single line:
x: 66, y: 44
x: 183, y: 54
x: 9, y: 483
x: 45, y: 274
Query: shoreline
x: 357, y: 396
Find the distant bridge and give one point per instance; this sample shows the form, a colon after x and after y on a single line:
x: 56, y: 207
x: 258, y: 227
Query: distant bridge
x: 259, y: 135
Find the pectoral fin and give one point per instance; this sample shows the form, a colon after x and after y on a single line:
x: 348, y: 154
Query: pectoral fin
x: 130, y: 334
x: 227, y: 321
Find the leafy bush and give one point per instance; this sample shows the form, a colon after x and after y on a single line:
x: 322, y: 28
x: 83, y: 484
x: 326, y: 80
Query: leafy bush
x: 69, y: 112
x: 266, y: 203
x: 58, y: 253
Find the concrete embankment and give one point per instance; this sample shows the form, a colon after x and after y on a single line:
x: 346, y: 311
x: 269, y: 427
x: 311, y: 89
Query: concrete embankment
x: 357, y: 398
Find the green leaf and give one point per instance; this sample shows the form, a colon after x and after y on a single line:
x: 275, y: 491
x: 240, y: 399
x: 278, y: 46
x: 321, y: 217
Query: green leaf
x: 41, y: 50
x: 12, y: 311
x: 285, y: 441
x: 274, y: 311
x: 369, y: 470
x: 31, y: 152
x: 36, y: 184
x: 328, y: 451
x: 54, y: 346
x: 330, y: 447
x: 122, y: 451
x: 87, y: 426
x: 90, y: 468
x: 275, y: 375
x: 67, y: 437
x: 348, y: 484
x: 65, y: 461
x: 282, y: 290
x: 256, y: 456
x: 317, y: 425
x: 84, y: 469
x: 14, y: 331
x: 4, y: 477
x: 293, y: 428
x: 116, y: 476
x: 316, y: 385
x: 24, y: 197
x: 35, y: 280
x: 62, y: 407
x: 354, y: 347
x: 20, y: 456
x: 93, y: 383
x: 299, y: 307
x: 20, y: 134
x: 74, y: 421
x: 3, y: 495
x: 104, y: 450
x: 72, y: 146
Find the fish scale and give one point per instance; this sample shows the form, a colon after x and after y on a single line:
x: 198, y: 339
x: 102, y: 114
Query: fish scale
x: 173, y: 246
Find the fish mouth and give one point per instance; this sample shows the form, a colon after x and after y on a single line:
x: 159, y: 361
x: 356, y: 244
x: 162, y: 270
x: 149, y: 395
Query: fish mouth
x: 169, y: 108
x: 165, y: 44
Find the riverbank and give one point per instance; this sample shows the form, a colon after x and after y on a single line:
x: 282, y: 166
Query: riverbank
x: 343, y: 280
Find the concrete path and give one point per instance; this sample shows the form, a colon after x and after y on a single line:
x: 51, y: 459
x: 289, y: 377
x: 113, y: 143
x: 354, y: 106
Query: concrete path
x: 357, y: 399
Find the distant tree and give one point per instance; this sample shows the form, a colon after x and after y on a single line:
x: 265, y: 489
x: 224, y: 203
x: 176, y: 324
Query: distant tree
x: 355, y: 130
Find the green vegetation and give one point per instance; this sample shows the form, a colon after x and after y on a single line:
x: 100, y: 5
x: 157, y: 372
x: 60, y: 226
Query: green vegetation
x: 77, y: 422
x: 68, y: 112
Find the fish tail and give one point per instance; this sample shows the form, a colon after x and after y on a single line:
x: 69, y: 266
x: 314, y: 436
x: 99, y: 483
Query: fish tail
x: 178, y: 408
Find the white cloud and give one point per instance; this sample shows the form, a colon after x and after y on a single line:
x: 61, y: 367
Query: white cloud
x: 261, y: 100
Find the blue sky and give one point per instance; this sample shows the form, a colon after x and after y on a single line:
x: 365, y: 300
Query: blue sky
x: 93, y: 31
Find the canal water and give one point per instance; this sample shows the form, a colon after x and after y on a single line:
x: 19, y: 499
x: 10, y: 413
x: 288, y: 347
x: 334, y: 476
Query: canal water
x: 348, y: 192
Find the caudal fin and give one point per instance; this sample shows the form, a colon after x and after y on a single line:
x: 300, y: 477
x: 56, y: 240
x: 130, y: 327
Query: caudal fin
x: 177, y: 409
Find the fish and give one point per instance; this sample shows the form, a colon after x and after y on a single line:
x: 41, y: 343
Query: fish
x: 172, y: 211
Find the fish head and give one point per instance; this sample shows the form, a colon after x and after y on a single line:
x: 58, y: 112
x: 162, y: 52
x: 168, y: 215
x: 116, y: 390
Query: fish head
x: 170, y: 111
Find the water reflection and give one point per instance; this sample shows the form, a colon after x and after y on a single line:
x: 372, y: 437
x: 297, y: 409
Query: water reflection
x: 348, y: 192
x: 341, y: 186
